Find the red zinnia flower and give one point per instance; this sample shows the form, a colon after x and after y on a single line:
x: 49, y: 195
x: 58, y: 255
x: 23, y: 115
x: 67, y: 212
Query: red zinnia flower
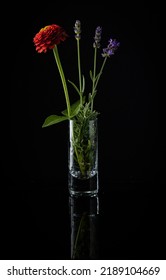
x: 48, y: 37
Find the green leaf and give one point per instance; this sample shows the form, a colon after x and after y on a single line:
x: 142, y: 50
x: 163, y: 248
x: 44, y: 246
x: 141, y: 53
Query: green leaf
x: 83, y: 84
x: 64, y: 112
x: 74, y: 109
x: 76, y: 88
x: 53, y: 119
x: 91, y: 75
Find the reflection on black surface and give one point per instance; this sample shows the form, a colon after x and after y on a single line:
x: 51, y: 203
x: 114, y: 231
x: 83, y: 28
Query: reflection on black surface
x: 84, y: 213
x: 41, y: 221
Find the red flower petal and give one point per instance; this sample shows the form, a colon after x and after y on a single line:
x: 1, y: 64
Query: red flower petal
x: 48, y: 37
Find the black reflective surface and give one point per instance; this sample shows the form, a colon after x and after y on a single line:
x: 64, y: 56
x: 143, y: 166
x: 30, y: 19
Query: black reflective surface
x: 40, y: 220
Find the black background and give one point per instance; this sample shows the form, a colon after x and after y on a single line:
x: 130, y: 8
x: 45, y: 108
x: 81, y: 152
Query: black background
x: 127, y: 96
x: 131, y: 138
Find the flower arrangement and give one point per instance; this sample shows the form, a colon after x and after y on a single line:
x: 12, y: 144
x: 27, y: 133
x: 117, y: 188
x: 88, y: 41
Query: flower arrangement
x: 82, y: 111
x: 48, y: 38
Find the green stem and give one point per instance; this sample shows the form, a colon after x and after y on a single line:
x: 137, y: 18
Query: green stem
x: 78, y: 138
x: 79, y: 69
x: 94, y: 75
x: 101, y: 70
x: 59, y: 65
x: 79, y: 160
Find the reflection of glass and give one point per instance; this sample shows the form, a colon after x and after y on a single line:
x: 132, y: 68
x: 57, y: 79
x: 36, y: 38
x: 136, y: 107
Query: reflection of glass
x: 84, y: 213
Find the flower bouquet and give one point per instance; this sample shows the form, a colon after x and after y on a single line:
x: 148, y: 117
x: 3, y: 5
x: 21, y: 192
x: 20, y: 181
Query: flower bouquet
x: 82, y: 117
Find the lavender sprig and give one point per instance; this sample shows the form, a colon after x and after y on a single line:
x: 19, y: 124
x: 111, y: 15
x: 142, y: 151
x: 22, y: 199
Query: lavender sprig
x: 111, y: 48
x: 97, y: 37
x: 77, y: 29
x: 107, y: 52
x: 96, y: 45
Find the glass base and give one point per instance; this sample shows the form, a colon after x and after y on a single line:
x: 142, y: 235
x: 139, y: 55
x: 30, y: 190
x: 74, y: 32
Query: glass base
x: 87, y: 175
x: 80, y: 187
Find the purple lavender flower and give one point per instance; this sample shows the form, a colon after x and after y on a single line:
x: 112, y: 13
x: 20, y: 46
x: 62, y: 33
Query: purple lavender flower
x: 97, y: 37
x: 111, y: 48
x: 77, y: 29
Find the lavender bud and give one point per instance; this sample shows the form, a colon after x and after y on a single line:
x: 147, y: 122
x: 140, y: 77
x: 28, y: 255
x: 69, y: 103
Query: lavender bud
x: 97, y: 37
x: 77, y: 29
